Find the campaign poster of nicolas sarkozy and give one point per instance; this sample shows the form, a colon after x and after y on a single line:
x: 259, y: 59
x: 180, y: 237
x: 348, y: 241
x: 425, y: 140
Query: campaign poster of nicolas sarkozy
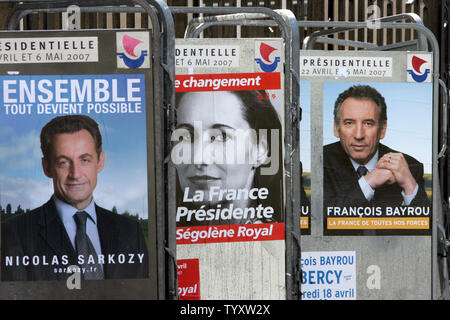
x: 377, y: 155
x: 73, y: 177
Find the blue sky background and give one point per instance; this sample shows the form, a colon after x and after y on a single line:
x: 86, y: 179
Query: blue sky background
x: 122, y: 183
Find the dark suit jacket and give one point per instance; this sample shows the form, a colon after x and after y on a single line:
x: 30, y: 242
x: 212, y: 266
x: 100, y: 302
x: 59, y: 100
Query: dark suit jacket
x: 38, y: 238
x: 341, y: 188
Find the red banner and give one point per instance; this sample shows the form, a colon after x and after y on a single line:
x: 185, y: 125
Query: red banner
x: 188, y: 279
x: 230, y: 233
x: 227, y: 82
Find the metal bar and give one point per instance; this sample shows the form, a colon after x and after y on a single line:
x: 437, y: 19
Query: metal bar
x: 444, y: 118
x: 346, y: 18
x: 394, y: 10
x: 407, y: 45
x: 384, y: 37
x: 164, y: 76
x: 109, y: 20
x: 167, y: 64
x: 19, y: 12
x: 243, y: 13
x: 366, y: 31
x: 403, y: 31
x: 293, y: 252
x: 347, y: 43
x: 238, y: 28
x: 410, y: 44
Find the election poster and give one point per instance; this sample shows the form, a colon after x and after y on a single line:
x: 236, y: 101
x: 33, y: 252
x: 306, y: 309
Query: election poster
x: 73, y: 189
x: 370, y: 115
x: 227, y: 151
x: 305, y: 157
x: 328, y: 275
x: 375, y: 173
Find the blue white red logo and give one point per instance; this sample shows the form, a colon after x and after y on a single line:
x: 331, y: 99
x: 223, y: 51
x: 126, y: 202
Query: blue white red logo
x: 419, y: 68
x: 132, y: 51
x: 268, y: 61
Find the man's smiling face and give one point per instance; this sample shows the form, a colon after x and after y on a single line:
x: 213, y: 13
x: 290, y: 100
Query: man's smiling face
x: 73, y: 165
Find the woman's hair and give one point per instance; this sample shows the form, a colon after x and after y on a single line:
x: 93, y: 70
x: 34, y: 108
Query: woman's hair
x: 259, y: 113
x: 257, y: 109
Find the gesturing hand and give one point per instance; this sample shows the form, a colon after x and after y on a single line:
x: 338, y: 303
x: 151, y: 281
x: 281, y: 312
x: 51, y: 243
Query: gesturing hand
x: 396, y: 163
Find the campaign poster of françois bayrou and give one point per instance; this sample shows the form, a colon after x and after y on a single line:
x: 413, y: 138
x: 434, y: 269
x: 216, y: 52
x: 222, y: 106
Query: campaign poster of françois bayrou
x: 377, y: 158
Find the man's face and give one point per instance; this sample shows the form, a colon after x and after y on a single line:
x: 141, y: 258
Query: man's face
x: 358, y: 129
x: 73, y: 166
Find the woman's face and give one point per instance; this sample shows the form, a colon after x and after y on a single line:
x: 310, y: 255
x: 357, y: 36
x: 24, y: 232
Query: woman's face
x: 217, y: 141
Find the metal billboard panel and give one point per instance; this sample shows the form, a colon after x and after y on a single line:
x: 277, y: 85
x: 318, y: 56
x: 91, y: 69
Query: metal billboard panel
x: 389, y: 234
